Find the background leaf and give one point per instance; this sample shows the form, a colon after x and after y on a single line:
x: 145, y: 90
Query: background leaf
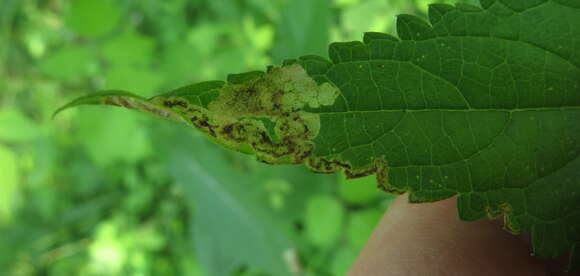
x: 93, y: 18
x: 68, y: 63
x: 230, y: 227
x: 303, y: 29
x: 15, y: 127
x: 359, y: 191
x: 11, y: 178
x: 324, y: 217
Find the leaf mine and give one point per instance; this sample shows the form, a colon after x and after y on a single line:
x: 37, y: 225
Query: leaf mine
x: 262, y: 115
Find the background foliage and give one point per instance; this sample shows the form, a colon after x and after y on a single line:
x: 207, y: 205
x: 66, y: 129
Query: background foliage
x: 120, y: 193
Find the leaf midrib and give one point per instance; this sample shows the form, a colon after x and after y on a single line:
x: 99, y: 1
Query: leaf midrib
x: 510, y: 110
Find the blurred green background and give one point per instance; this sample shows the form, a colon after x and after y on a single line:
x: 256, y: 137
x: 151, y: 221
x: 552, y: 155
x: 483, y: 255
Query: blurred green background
x: 104, y: 191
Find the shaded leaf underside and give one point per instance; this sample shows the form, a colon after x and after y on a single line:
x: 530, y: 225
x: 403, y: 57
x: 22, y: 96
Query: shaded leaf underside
x: 479, y: 102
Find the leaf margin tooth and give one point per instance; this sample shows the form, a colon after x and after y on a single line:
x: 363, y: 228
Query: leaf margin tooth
x: 414, y: 28
x: 369, y: 37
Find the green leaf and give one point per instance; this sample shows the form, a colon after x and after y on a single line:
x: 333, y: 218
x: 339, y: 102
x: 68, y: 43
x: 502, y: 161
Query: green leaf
x: 69, y: 63
x: 483, y: 103
x: 133, y: 78
x: 9, y: 190
x: 360, y: 226
x: 373, y: 15
x: 177, y: 61
x: 129, y: 49
x: 16, y: 127
x: 91, y: 18
x: 342, y: 261
x: 303, y: 29
x: 100, y: 135
x: 359, y: 191
x: 323, y: 221
x: 232, y: 224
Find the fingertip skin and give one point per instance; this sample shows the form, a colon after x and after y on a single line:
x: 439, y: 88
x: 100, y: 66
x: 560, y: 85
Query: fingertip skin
x: 429, y: 239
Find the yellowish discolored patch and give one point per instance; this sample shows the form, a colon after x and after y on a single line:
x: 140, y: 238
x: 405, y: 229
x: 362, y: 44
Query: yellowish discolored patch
x: 237, y: 117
